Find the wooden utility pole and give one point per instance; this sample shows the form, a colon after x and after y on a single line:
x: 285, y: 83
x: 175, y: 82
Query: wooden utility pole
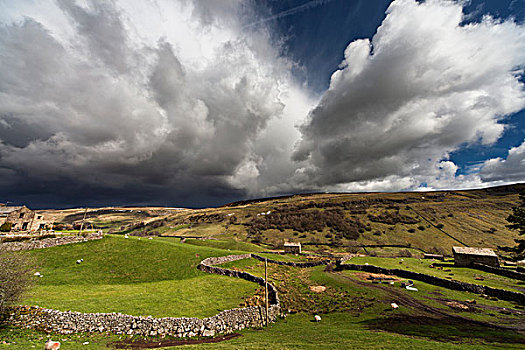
x: 32, y: 221
x: 266, y: 288
x: 83, y: 219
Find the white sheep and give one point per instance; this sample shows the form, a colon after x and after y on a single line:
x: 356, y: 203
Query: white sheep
x: 52, y: 345
x: 394, y: 306
x: 317, y: 318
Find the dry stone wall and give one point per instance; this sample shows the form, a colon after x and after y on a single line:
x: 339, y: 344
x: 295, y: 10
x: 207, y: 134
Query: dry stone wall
x: 500, y: 271
x: 291, y: 263
x: 437, y: 281
x: 227, y: 321
x: 48, y: 242
x: 66, y: 322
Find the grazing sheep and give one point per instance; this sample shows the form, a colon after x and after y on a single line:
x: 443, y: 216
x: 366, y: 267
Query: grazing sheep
x: 52, y: 345
x: 317, y: 318
x: 394, y: 306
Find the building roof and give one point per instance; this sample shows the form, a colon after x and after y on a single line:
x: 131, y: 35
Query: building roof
x: 474, y: 251
x: 290, y: 244
x: 4, y: 211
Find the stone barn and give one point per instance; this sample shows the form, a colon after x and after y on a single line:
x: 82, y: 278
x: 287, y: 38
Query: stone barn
x: 22, y: 218
x: 466, y: 256
x: 292, y: 248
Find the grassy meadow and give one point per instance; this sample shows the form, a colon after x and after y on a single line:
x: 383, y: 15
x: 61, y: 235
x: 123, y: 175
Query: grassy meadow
x: 157, y: 277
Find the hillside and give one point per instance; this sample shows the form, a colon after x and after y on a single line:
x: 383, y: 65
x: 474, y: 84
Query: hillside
x: 427, y: 221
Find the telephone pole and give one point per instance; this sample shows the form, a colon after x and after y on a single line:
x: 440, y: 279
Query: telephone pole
x: 266, y: 287
x: 83, y: 219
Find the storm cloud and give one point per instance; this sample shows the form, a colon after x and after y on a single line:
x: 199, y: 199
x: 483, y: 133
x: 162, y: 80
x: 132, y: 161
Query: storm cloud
x: 184, y: 103
x: 106, y: 104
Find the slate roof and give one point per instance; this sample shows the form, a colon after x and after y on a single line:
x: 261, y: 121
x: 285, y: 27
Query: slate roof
x: 5, y: 211
x: 474, y: 251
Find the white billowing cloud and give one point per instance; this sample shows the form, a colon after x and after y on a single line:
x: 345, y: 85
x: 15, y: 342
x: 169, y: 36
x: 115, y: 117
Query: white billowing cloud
x: 166, y: 94
x: 400, y: 103
x: 179, y: 101
x: 511, y: 169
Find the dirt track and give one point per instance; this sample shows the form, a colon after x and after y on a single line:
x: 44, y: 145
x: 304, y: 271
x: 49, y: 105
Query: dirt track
x: 400, y: 297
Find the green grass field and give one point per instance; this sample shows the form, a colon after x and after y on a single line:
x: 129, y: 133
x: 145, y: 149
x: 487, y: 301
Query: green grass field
x: 159, y: 277
x: 156, y: 277
x: 445, y: 270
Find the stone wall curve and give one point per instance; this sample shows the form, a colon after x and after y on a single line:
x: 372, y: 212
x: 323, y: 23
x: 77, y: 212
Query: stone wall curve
x: 227, y: 321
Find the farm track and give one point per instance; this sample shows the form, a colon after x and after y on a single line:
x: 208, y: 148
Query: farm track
x: 405, y: 300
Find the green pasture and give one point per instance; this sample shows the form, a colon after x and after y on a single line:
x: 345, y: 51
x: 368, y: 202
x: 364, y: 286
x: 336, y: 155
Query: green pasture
x: 157, y: 277
x: 224, y: 244
x: 445, y: 270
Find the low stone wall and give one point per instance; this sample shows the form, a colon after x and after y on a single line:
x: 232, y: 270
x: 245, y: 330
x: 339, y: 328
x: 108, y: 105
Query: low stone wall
x: 227, y: 321
x: 67, y: 322
x: 291, y: 263
x: 442, y: 282
x: 500, y: 271
x: 48, y: 242
x: 207, y: 266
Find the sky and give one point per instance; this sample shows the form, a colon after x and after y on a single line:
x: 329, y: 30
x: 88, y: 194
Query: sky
x: 196, y: 103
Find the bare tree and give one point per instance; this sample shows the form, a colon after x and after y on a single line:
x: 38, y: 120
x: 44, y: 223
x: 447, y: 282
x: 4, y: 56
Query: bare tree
x: 15, y: 278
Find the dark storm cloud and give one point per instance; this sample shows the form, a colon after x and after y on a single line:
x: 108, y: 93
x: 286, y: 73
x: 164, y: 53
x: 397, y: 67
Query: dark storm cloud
x: 101, y: 112
x: 176, y: 103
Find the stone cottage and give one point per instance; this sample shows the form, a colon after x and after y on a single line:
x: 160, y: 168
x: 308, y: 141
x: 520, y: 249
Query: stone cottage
x: 22, y: 218
x: 466, y: 256
x: 292, y: 248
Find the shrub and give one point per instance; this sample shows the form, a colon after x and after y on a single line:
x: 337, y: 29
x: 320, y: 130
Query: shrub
x: 411, y: 230
x: 6, y: 227
x: 15, y: 279
x: 440, y: 226
x: 16, y: 239
x: 421, y: 228
x: 405, y: 253
x: 352, y: 249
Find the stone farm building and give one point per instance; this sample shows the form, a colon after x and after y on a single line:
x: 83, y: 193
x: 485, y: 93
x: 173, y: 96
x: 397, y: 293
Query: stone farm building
x: 22, y: 218
x: 292, y: 248
x: 466, y: 256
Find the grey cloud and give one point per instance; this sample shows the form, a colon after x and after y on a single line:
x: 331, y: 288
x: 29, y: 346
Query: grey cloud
x: 102, y: 27
x: 102, y: 118
x: 422, y: 87
x: 510, y: 169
